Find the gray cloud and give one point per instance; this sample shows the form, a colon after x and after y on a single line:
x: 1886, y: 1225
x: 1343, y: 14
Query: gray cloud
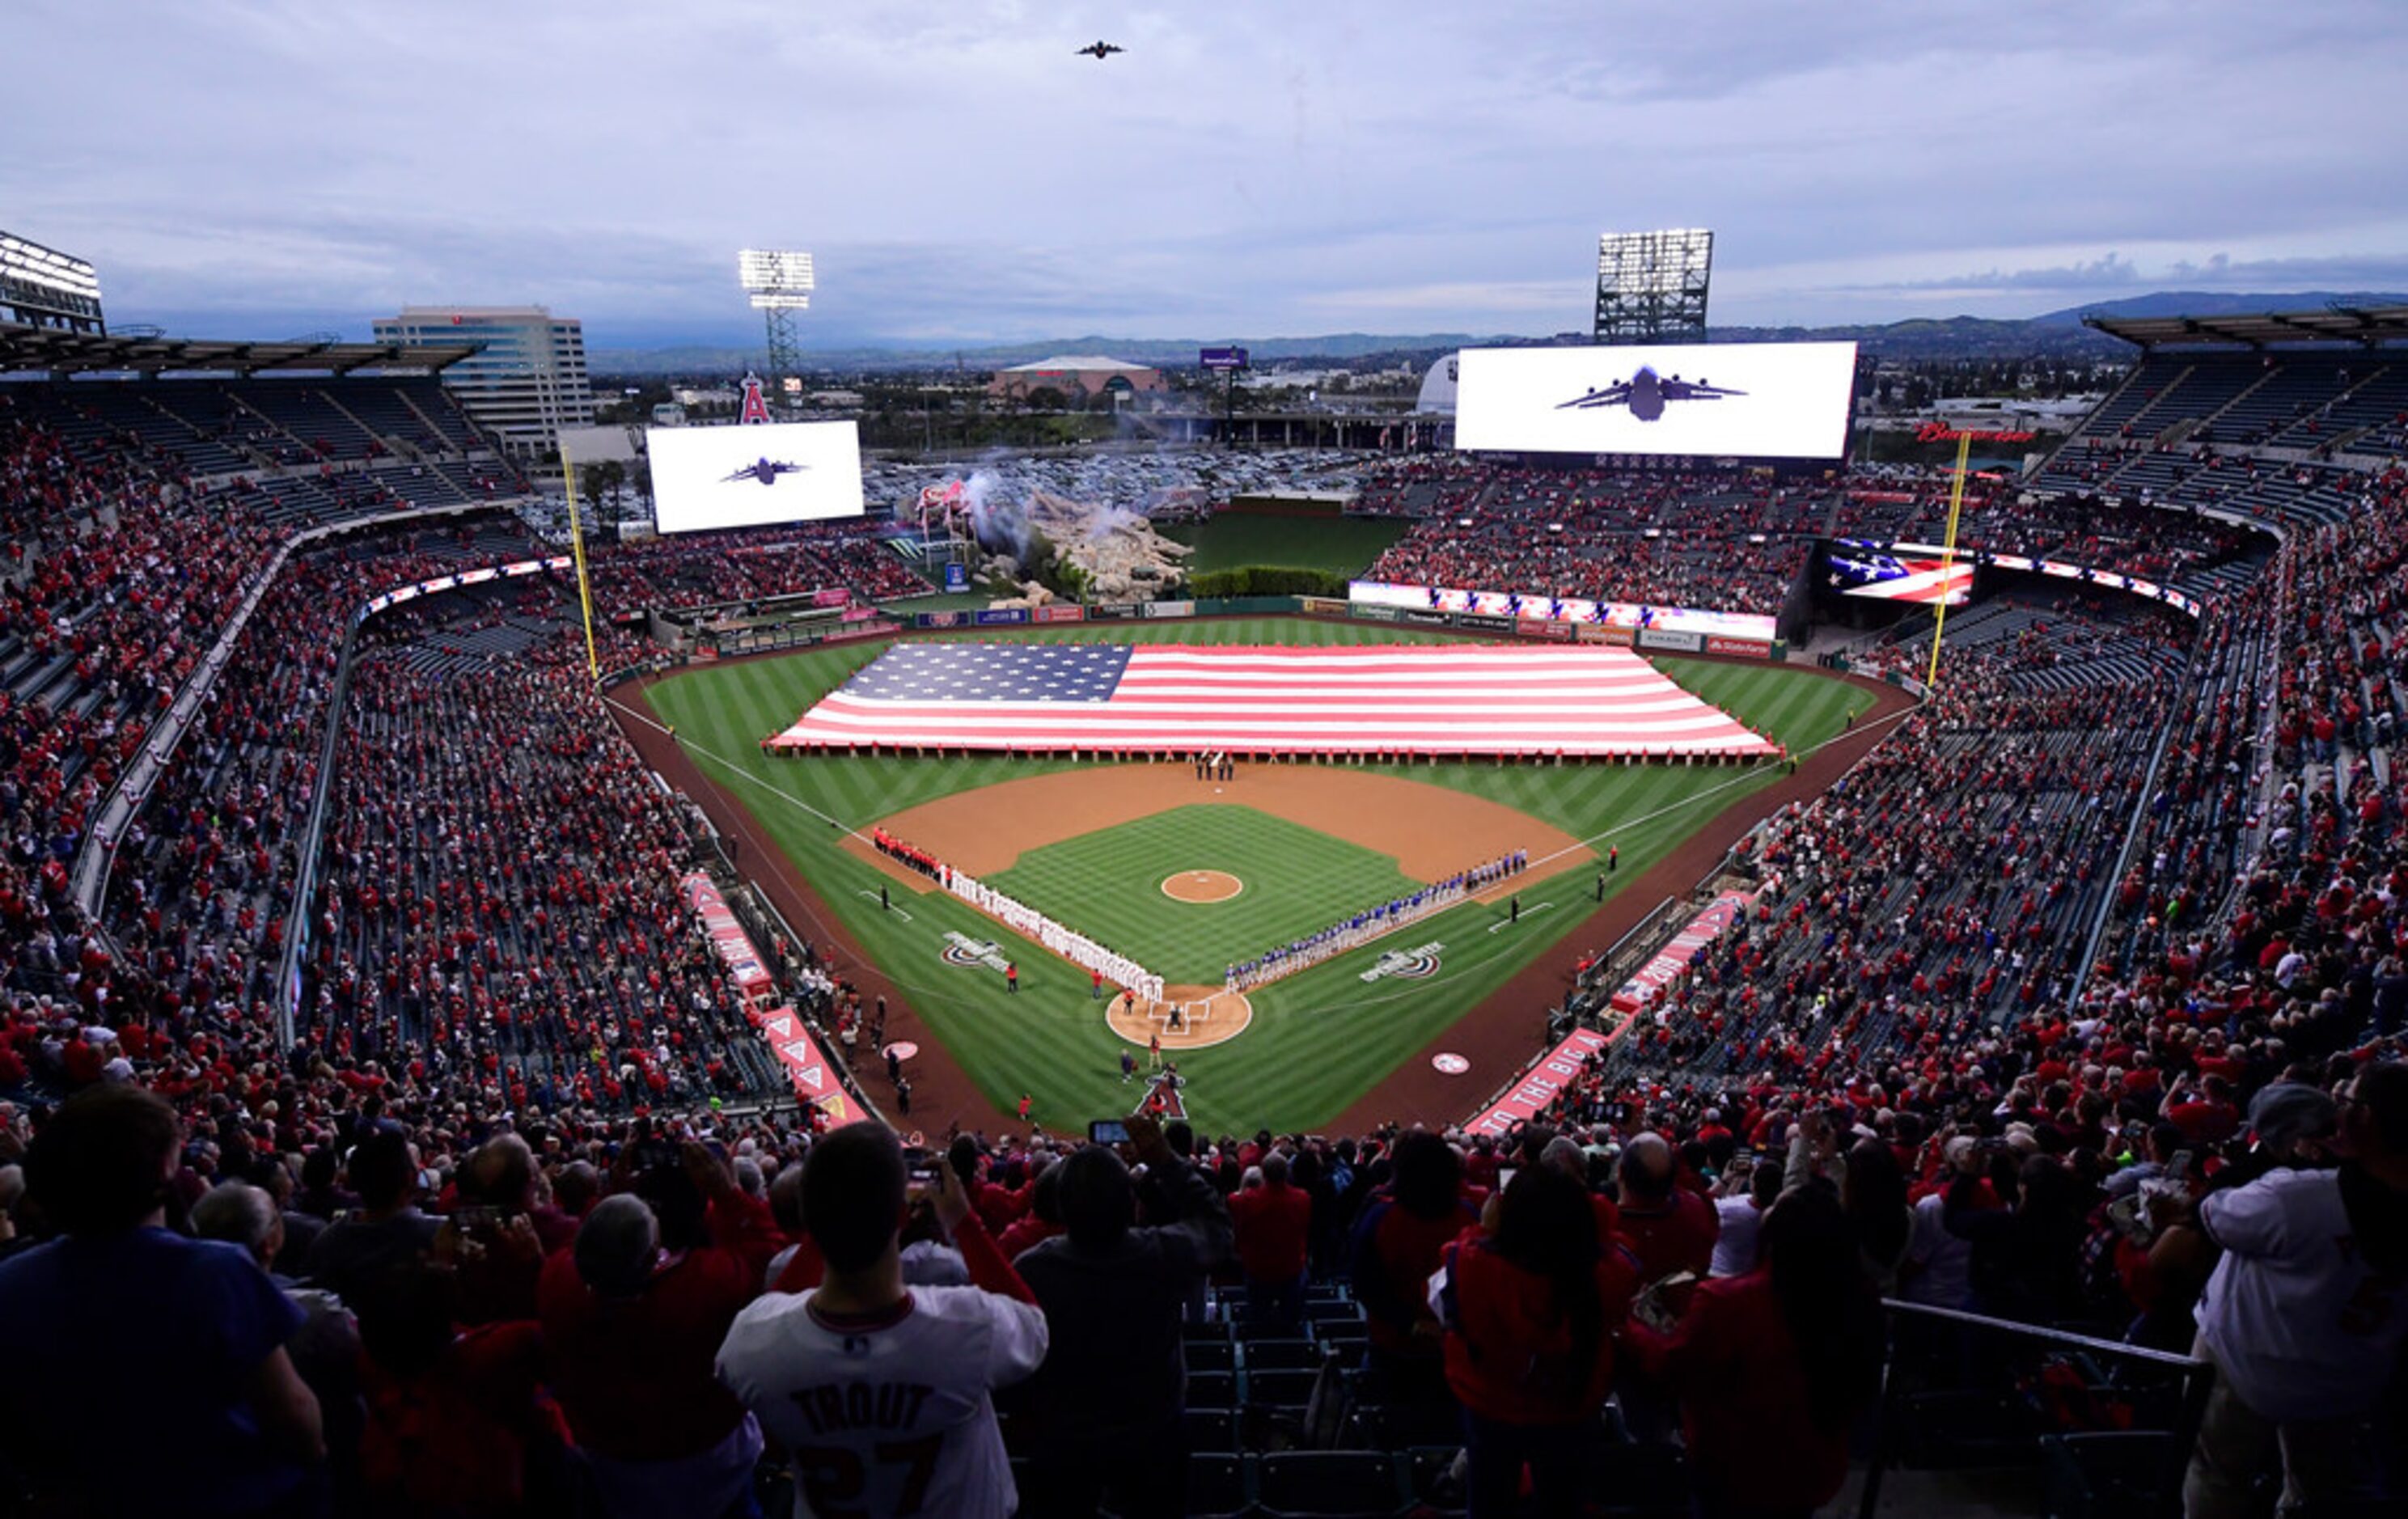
x: 1246, y: 167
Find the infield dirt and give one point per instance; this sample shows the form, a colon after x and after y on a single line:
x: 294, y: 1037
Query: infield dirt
x: 1499, y: 1036
x: 1431, y: 831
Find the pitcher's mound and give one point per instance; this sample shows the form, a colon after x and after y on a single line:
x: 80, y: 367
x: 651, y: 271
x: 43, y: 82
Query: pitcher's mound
x: 1201, y: 886
x: 1208, y: 1016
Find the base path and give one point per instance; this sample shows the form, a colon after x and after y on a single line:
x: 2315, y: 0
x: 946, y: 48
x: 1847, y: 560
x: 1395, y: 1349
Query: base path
x: 1509, y: 1029
x: 1431, y: 831
x: 1499, y: 1037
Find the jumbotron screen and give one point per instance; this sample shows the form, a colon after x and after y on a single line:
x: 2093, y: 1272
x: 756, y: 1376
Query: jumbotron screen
x: 1719, y: 400
x: 754, y: 476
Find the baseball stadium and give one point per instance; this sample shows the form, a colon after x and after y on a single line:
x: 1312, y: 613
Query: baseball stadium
x: 1368, y: 928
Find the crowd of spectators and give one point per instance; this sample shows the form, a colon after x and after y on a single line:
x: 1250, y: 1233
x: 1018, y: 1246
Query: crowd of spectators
x: 485, y: 1240
x: 498, y: 914
x: 1658, y: 539
x: 708, y: 569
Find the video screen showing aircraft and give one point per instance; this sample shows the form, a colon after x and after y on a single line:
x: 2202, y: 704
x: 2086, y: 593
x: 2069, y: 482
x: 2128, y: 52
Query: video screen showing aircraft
x: 1700, y: 400
x: 750, y: 477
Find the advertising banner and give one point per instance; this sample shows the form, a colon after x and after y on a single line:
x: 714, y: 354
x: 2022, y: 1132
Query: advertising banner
x: 1483, y: 624
x: 807, y: 1066
x: 1668, y: 962
x: 941, y: 619
x: 1561, y: 631
x: 1537, y: 607
x: 1170, y: 608
x: 1000, y: 616
x: 1061, y: 614
x: 728, y: 938
x: 400, y: 594
x: 1540, y: 1085
x: 1112, y: 612
x: 1744, y: 648
x: 1684, y: 643
x: 836, y: 598
x: 1321, y: 605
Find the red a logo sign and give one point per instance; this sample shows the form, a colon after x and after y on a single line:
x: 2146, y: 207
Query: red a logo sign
x: 757, y: 406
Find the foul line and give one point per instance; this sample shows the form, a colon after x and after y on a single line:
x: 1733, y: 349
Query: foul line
x: 1739, y: 780
x: 890, y: 976
x: 885, y: 907
x: 1530, y: 911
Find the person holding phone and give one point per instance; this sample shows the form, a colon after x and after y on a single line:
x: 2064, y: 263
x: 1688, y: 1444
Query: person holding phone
x: 883, y: 1395
x: 1107, y: 1410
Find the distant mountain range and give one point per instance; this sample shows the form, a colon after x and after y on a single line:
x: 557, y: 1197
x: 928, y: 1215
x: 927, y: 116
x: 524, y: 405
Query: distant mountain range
x: 2052, y: 334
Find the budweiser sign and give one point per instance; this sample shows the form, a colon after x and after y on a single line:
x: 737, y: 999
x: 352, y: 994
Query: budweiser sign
x: 1940, y: 432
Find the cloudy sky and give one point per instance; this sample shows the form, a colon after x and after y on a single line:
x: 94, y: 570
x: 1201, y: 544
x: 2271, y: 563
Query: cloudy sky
x: 1247, y: 167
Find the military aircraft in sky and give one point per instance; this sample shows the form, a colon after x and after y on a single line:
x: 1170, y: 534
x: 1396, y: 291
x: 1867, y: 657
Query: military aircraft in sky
x: 766, y: 471
x: 1100, y: 49
x: 1645, y: 394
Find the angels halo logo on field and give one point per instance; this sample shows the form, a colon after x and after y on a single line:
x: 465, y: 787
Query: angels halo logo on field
x: 969, y: 953
x: 1419, y: 963
x: 1447, y: 1063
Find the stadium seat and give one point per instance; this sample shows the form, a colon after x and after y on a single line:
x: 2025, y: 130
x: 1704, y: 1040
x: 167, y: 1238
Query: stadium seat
x: 1219, y: 1486
x: 1637, y: 1481
x: 1430, y: 1475
x: 1280, y: 1355
x: 1392, y: 1425
x: 1212, y: 1389
x: 1349, y: 1354
x: 1330, y: 1485
x: 1212, y: 1355
x: 1280, y: 1388
x: 2101, y: 1476
x: 1212, y: 1429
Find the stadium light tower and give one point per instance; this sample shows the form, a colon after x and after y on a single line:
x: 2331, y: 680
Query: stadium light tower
x: 1651, y: 286
x: 780, y: 284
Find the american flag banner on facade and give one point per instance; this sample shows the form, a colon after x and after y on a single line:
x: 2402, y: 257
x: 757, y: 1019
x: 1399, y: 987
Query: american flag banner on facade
x: 1580, y: 702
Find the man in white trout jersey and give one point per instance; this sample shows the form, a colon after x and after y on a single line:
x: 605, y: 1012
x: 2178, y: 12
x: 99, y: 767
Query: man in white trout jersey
x: 880, y: 1393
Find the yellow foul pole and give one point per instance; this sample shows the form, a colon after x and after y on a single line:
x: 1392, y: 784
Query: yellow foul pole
x: 577, y: 547
x: 1948, y: 554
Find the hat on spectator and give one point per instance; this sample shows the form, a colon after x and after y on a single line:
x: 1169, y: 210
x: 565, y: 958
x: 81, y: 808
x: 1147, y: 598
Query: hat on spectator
x: 2290, y: 1110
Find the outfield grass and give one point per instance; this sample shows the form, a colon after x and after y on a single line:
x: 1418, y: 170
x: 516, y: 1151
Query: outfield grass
x: 1233, y: 540
x: 1108, y: 883
x: 1321, y: 1039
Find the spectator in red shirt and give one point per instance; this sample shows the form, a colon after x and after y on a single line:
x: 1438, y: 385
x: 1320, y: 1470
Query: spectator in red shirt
x: 1669, y: 1227
x: 1274, y: 1222
x: 1404, y: 1226
x: 1772, y: 1367
x: 633, y: 1316
x: 1530, y: 1302
x: 453, y: 1414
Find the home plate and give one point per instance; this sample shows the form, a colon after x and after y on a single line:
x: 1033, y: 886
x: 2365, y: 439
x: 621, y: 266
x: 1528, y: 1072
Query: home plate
x: 1448, y: 1064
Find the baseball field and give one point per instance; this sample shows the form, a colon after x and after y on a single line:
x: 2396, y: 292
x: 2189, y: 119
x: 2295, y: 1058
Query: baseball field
x: 1187, y: 876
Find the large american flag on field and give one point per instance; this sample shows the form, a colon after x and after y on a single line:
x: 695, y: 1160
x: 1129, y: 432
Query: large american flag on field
x: 1433, y: 699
